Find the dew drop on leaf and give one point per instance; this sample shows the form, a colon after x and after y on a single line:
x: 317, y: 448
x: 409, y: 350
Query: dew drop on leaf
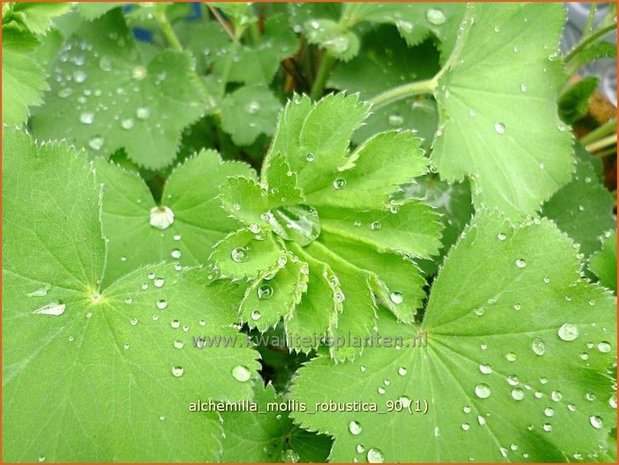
x: 161, y: 217
x: 339, y: 183
x: 517, y: 394
x: 395, y: 120
x: 265, y: 292
x: 354, y: 427
x: 127, y: 123
x: 499, y: 128
x: 568, y: 332
x: 309, y: 157
x: 255, y: 315
x: 549, y: 412
x: 596, y: 421
x: 177, y: 371
x: 142, y: 113
x: 239, y: 254
x: 54, y: 309
x: 538, y: 347
x: 133, y: 321
x: 604, y: 347
x: 87, y: 117
x: 241, y: 373
x: 176, y: 254
x: 521, y: 263
x: 402, y: 371
x: 523, y: 87
x: 162, y: 304
x: 79, y: 76
x: 485, y: 368
x: 396, y: 297
x: 139, y: 72
x: 482, y: 391
x: 96, y: 142
x: 252, y: 107
x: 435, y: 16
x: 375, y: 226
x: 39, y: 292
x: 547, y: 427
x: 375, y: 455
x: 465, y: 427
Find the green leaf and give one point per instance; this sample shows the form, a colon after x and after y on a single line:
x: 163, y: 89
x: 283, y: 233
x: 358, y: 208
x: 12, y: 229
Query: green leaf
x: 604, y: 262
x: 248, y: 112
x: 583, y: 209
x: 181, y: 229
x: 105, y: 96
x: 268, y: 435
x: 34, y: 17
x: 90, y: 11
x: 333, y: 37
x: 491, y: 121
x: 262, y: 307
x: 593, y: 52
x: 509, y: 327
x: 387, y: 62
x: 314, y: 194
x: 23, y: 80
x: 125, y: 345
x: 574, y: 101
x: 257, y: 64
x: 243, y: 254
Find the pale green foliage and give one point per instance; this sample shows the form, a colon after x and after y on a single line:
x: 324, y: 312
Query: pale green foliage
x: 115, y: 98
x: 331, y: 210
x: 604, y: 262
x: 85, y: 359
x: 491, y: 121
x: 503, y: 371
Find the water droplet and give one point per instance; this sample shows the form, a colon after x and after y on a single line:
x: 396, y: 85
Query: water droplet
x: 402, y: 371
x: 375, y: 455
x: 479, y: 311
x: 134, y: 321
x: 54, y: 309
x: 396, y: 297
x: 142, y: 113
x: 517, y: 394
x: 177, y: 371
x: 139, y: 72
x: 362, y: 369
x: 239, y: 254
x: 127, y: 123
x: 485, y: 369
x: 547, y: 427
x: 41, y: 458
x: 159, y: 282
x: 175, y: 324
x: 298, y: 223
x: 523, y: 87
x: 179, y: 344
x: 482, y: 391
x: 241, y: 373
x: 79, y: 76
x: 176, y: 254
x: 517, y: 307
x: 612, y: 401
x: 309, y: 157
x: 161, y: 217
x: 255, y: 315
x: 375, y: 226
x: 96, y: 142
x: 265, y: 292
x: 354, y: 427
x: 604, y: 347
x: 162, y: 304
x: 435, y: 16
x: 521, y: 263
x: 568, y: 332
x: 499, y: 128
x: 339, y: 183
x: 395, y: 120
x: 549, y: 412
x: 87, y: 117
x: 40, y: 292
x: 596, y: 421
x: 501, y: 236
x: 252, y: 107
x: 538, y: 347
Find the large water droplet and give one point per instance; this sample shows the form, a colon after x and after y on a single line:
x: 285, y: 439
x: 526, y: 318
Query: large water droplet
x: 568, y: 332
x: 54, y: 309
x: 354, y: 427
x: 538, y: 347
x: 396, y: 297
x: 265, y: 292
x: 435, y: 16
x: 239, y: 254
x: 241, y: 373
x: 161, y: 217
x: 596, y: 421
x: 482, y: 391
x: 297, y: 223
x: 604, y: 347
x: 375, y: 455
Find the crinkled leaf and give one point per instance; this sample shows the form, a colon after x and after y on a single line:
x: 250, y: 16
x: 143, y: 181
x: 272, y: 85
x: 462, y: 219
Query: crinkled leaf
x: 75, y: 352
x: 495, y: 98
x: 23, y: 80
x: 505, y: 334
x: 273, y: 297
x: 142, y: 232
x: 248, y: 112
x: 583, y: 208
x: 243, y: 254
x: 35, y: 17
x: 257, y: 64
x: 113, y: 98
x: 269, y: 436
x: 574, y: 101
x: 604, y: 262
x: 244, y: 199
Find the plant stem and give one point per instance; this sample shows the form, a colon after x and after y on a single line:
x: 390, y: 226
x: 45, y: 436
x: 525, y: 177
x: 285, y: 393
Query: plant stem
x: 606, y: 142
x: 404, y: 91
x: 175, y: 43
x: 223, y: 23
x: 609, y: 127
x: 585, y: 42
x: 326, y: 64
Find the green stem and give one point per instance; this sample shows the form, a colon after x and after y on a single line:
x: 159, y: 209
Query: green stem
x: 326, y: 64
x: 175, y: 43
x: 254, y: 33
x: 610, y: 127
x: 588, y: 29
x: 404, y: 91
x: 606, y: 142
x: 585, y: 42
x: 607, y: 152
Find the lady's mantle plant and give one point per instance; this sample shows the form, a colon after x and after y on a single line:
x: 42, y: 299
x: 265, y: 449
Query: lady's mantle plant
x: 144, y: 262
